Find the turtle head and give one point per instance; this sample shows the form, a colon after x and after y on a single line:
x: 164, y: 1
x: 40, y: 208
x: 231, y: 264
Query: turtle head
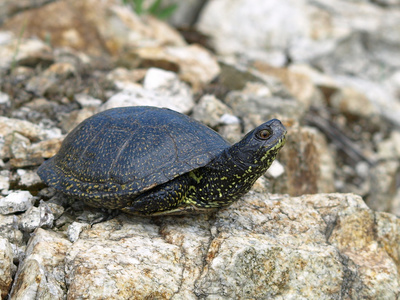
x: 260, y: 146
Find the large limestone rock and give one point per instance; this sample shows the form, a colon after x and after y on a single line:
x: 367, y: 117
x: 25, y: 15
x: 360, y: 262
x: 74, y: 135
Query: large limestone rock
x: 323, y: 246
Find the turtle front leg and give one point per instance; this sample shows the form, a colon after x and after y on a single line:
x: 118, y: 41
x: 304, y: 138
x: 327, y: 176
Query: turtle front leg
x: 168, y: 198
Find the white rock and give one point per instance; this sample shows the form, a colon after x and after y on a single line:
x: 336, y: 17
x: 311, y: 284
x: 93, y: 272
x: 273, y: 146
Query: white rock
x: 4, y: 180
x: 248, y: 25
x: 158, y: 79
x: 16, y: 202
x: 276, y: 169
x: 4, y: 98
x: 28, y: 178
x: 229, y: 119
x: 86, y: 100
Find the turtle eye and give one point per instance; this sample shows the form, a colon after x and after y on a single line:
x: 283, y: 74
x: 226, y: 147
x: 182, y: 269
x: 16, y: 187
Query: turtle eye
x: 264, y: 134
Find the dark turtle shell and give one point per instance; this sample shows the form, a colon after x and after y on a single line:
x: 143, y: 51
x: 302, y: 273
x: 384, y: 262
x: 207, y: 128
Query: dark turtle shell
x: 124, y: 151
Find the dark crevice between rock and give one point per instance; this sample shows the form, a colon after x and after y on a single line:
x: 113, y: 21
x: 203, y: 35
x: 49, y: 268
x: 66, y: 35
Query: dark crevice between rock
x: 351, y: 285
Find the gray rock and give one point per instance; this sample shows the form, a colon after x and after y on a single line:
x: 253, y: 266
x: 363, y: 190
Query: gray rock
x: 9, y: 229
x: 17, y: 201
x: 257, y: 103
x: 36, y: 217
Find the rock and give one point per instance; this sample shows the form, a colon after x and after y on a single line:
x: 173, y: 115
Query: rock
x: 36, y: 217
x: 390, y: 147
x: 193, y: 63
x: 354, y: 103
x: 46, y: 148
x: 161, y: 89
x: 260, y: 247
x: 20, y: 145
x: 25, y: 131
x: 6, y: 267
x: 348, y: 37
x: 29, y: 51
x: 4, y: 102
x: 380, y: 97
x: 382, y: 179
x: 362, y: 249
x: 186, y: 12
x: 42, y: 275
x: 117, y: 258
x: 17, y: 201
x: 28, y: 179
x: 258, y: 27
x: 4, y: 181
x: 86, y: 100
x: 48, y: 82
x: 309, y: 167
x: 299, y: 85
x: 103, y: 28
x: 75, y: 229
x: 71, y: 120
x: 276, y: 169
x: 125, y: 79
x: 9, y: 7
x: 257, y: 103
x: 9, y: 229
x: 237, y: 76
x: 213, y: 112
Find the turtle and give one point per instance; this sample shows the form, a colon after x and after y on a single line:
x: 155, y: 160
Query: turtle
x: 151, y: 161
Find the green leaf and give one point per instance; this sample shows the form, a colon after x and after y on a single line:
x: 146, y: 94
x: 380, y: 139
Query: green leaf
x: 155, y: 7
x: 138, y: 6
x: 167, y: 11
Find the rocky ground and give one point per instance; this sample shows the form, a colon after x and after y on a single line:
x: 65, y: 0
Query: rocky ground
x: 330, y: 70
